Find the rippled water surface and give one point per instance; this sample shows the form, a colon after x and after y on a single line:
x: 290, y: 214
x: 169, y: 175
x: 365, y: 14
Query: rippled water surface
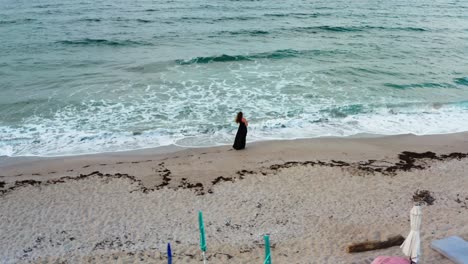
x: 94, y: 76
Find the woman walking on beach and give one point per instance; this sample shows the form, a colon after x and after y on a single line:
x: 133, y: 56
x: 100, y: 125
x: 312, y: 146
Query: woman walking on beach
x: 239, y: 142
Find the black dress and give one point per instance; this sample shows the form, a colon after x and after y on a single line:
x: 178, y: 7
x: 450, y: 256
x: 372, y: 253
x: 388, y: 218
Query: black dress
x: 239, y: 142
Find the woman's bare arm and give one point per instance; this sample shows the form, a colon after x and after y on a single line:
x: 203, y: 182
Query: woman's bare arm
x: 245, y: 122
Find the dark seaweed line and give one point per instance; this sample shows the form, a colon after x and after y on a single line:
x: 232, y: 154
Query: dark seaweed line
x: 19, y: 184
x: 163, y: 172
x: 407, y: 161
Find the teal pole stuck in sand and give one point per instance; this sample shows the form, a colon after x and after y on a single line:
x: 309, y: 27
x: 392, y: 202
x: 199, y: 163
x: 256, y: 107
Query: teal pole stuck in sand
x: 202, y: 235
x: 267, y: 250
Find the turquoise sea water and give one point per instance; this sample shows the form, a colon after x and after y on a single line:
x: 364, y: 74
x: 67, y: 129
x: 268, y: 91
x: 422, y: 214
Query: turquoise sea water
x: 94, y: 76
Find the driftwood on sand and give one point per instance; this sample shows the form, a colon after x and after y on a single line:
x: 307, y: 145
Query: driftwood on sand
x: 373, y: 245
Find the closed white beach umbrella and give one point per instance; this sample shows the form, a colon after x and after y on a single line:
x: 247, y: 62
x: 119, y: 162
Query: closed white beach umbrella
x: 412, y: 245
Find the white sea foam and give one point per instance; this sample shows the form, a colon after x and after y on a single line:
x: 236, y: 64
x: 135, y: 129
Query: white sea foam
x: 48, y: 139
x: 194, y: 106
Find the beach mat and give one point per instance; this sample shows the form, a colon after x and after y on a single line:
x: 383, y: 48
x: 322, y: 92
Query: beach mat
x: 454, y: 248
x: 390, y: 260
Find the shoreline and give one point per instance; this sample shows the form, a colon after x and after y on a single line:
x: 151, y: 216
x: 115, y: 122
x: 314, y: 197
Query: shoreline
x: 175, y: 147
x: 167, y: 149
x: 313, y: 196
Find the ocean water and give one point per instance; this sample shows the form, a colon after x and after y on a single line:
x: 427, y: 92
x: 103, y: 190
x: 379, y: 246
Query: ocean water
x: 94, y: 76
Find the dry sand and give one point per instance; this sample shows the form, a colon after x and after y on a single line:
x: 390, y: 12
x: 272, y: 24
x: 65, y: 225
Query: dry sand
x: 314, y: 197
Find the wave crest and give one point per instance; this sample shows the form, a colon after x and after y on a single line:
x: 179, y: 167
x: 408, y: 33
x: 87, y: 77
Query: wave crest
x: 277, y: 54
x: 17, y: 21
x: 461, y: 81
x: 419, y: 85
x: 101, y: 42
x: 354, y: 28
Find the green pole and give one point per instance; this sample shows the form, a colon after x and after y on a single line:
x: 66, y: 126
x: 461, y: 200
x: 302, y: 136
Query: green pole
x: 267, y: 250
x: 202, y: 235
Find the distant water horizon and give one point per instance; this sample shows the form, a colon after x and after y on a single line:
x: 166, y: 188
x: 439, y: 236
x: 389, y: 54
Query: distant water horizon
x: 80, y: 77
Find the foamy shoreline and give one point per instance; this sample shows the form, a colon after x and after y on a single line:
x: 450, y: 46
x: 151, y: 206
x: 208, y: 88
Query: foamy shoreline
x: 313, y: 196
x: 166, y: 149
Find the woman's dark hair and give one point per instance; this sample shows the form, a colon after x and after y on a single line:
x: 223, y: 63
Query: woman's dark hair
x: 239, y: 117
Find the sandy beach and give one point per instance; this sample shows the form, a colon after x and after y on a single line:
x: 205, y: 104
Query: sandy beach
x: 313, y: 196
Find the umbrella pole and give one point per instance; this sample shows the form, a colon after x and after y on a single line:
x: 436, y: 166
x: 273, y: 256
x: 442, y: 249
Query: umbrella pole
x: 169, y: 253
x: 204, y: 258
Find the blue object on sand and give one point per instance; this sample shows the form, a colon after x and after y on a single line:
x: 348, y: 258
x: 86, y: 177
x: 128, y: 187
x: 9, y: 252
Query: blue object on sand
x: 169, y: 253
x: 454, y: 248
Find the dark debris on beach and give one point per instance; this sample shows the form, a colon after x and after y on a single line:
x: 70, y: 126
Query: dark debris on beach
x: 423, y: 197
x: 407, y: 161
x: 463, y: 201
